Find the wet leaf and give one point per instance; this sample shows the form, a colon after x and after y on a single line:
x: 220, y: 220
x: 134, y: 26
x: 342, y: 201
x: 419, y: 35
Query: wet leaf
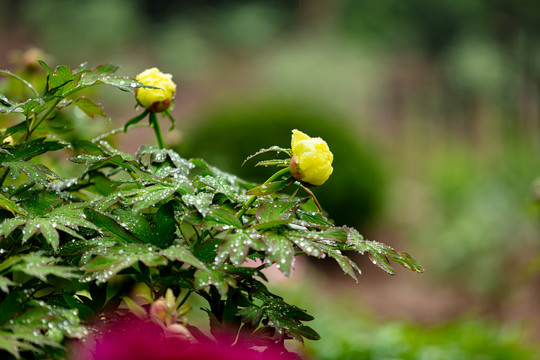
x: 200, y: 201
x: 235, y: 246
x: 270, y: 149
x: 279, y: 250
x: 269, y: 188
x: 89, y: 107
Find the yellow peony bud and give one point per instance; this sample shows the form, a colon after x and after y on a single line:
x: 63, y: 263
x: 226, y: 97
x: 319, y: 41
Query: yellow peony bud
x: 312, y: 160
x: 155, y: 100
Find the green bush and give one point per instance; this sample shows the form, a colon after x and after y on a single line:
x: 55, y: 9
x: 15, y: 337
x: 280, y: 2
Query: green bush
x: 353, y: 194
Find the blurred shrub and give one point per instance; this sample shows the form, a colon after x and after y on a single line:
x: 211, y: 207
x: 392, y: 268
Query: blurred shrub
x: 242, y: 130
x: 465, y: 339
x: 469, y: 210
x: 89, y: 26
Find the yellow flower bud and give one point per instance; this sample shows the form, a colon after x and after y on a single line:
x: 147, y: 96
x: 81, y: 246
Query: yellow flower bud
x: 155, y: 100
x: 312, y: 160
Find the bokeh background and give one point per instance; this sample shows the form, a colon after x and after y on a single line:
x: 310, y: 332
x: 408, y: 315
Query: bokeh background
x: 430, y: 107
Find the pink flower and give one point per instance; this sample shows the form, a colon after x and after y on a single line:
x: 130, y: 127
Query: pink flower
x: 136, y: 339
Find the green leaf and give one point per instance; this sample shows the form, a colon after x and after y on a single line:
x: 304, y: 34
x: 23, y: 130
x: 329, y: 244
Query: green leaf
x: 235, y: 246
x: 251, y: 315
x: 36, y: 172
x: 222, y: 219
x: 165, y: 226
x: 279, y: 251
x: 219, y: 279
x: 270, y: 188
x: 39, y: 266
x: 17, y: 77
x: 305, y: 242
x: 183, y: 254
x: 222, y: 185
x: 278, y: 209
x: 11, y: 206
x: 5, y: 283
x: 120, y: 82
x: 120, y: 257
x: 272, y: 148
x: 287, y: 320
x: 151, y: 195
x: 135, y: 120
x: 109, y: 226
x: 89, y: 107
x: 137, y: 224
x: 61, y: 81
x: 49, y: 233
x: 273, y: 162
x: 313, y: 219
x: 31, y: 149
x: 26, y: 107
x: 200, y: 201
x: 346, y: 264
x: 9, y: 225
x: 380, y: 254
x: 94, y: 75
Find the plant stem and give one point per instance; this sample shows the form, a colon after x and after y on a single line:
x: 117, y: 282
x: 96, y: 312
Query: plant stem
x: 31, y: 128
x: 312, y: 196
x: 185, y: 298
x: 155, y: 124
x: 251, y: 200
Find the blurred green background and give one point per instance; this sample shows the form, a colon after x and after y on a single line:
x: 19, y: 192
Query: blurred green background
x: 430, y: 107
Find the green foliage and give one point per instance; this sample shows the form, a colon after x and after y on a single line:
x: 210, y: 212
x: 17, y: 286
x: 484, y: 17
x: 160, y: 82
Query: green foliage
x: 358, y: 177
x: 72, y: 249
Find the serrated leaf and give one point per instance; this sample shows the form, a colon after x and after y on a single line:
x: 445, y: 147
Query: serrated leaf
x: 269, y: 188
x: 9, y: 225
x: 40, y: 266
x: 136, y: 224
x: 278, y: 209
x: 26, y: 107
x: 380, y: 254
x: 120, y: 257
x: 346, y: 264
x: 223, y: 186
x: 220, y: 280
x: 251, y: 315
x: 287, y: 320
x: 279, y: 251
x: 31, y: 149
x: 5, y: 283
x: 305, y: 243
x: 109, y: 225
x: 183, y: 254
x: 36, y: 172
x: 222, y: 219
x: 90, y: 77
x: 49, y: 233
x: 235, y: 246
x: 313, y: 219
x: 89, y: 107
x: 151, y: 195
x: 121, y: 82
x: 200, y: 201
x: 11, y: 206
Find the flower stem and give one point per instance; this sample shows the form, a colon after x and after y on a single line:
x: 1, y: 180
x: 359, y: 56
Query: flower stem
x: 155, y: 124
